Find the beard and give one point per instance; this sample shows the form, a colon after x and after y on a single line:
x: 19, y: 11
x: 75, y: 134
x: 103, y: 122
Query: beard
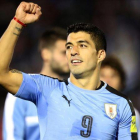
x: 83, y: 71
x: 59, y: 69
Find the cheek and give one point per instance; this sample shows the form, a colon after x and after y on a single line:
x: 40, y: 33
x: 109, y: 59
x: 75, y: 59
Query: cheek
x: 57, y: 56
x: 117, y: 83
x: 91, y: 60
x: 60, y: 59
x: 117, y: 80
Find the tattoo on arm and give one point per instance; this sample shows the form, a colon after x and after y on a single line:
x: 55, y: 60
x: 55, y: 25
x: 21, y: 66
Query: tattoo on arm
x: 16, y: 71
x: 17, y: 30
x: 16, y: 34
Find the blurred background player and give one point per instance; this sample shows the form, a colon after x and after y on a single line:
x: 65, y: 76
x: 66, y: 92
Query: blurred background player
x: 113, y: 73
x: 21, y: 121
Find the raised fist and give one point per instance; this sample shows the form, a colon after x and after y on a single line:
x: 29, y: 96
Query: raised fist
x: 28, y: 12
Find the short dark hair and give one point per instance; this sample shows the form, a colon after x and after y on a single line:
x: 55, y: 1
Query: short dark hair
x: 50, y: 36
x: 114, y: 63
x: 96, y: 34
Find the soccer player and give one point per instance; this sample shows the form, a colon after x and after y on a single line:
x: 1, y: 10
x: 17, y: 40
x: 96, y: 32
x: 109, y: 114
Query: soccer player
x: 21, y: 121
x: 83, y: 107
x: 113, y: 73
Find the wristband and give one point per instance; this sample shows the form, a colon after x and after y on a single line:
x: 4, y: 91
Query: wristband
x: 19, y: 22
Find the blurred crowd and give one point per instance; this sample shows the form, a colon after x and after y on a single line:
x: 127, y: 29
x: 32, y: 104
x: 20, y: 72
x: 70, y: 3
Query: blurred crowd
x: 119, y: 19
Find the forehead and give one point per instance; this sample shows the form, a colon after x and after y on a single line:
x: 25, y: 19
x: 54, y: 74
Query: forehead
x: 60, y: 44
x: 79, y: 36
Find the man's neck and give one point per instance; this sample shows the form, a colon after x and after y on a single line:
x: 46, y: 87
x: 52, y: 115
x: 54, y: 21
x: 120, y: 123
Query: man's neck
x: 91, y: 82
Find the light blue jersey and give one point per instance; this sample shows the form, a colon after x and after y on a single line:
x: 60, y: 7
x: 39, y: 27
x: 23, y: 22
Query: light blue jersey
x: 20, y: 121
x: 67, y: 112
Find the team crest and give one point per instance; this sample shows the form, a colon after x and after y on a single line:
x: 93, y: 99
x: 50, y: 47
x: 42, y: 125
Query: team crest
x: 111, y: 110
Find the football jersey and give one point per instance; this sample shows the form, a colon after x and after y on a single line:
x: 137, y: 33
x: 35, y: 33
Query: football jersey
x: 67, y: 112
x: 20, y: 121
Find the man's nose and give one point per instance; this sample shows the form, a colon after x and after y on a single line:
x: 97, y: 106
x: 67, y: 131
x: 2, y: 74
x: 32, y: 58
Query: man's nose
x: 75, y: 51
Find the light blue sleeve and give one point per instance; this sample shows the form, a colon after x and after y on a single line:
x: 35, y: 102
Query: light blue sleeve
x: 13, y: 119
x: 35, y: 86
x: 138, y: 122
x: 127, y: 124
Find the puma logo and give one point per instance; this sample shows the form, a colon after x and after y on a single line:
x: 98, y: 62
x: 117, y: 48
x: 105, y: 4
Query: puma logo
x: 66, y: 99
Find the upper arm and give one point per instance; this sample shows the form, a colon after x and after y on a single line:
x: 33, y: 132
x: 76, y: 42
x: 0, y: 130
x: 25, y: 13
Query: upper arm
x: 127, y: 126
x: 11, y: 80
x: 30, y: 86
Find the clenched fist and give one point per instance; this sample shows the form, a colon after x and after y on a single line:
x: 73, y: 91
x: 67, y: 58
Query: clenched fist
x: 28, y: 12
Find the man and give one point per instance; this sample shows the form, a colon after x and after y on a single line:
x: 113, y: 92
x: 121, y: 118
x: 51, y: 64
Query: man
x: 21, y: 121
x: 113, y: 73
x: 82, y: 107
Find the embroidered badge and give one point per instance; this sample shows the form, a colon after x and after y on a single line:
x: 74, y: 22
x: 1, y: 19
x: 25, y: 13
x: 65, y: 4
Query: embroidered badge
x: 111, y: 110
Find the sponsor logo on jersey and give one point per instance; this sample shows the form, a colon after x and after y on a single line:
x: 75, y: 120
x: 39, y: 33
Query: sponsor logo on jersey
x: 133, y: 128
x: 111, y: 110
x: 67, y: 99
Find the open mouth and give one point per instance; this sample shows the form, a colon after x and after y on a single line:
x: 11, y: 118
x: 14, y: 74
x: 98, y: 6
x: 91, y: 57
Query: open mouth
x: 76, y: 61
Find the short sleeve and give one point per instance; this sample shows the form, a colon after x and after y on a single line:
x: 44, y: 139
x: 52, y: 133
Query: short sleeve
x: 34, y: 85
x: 127, y: 126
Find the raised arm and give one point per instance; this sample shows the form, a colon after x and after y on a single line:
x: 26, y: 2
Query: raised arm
x: 26, y: 13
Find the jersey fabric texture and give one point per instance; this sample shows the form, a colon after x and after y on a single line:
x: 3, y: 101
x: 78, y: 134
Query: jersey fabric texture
x: 137, y: 122
x: 67, y: 112
x: 20, y: 121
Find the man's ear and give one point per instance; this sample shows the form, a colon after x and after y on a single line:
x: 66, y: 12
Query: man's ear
x: 46, y: 54
x: 101, y: 55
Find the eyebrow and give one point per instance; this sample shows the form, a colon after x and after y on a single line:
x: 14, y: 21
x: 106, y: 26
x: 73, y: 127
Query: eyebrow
x: 83, y: 41
x: 80, y: 41
x: 68, y: 43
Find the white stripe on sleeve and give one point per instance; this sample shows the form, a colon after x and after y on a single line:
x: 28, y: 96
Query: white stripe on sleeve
x: 8, y: 110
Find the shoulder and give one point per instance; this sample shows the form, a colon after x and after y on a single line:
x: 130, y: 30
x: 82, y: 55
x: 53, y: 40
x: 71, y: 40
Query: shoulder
x: 116, y: 92
x: 55, y: 81
x: 42, y: 77
x: 122, y: 98
x: 41, y: 80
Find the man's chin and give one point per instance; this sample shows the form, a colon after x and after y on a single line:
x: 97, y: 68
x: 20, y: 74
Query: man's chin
x: 77, y: 74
